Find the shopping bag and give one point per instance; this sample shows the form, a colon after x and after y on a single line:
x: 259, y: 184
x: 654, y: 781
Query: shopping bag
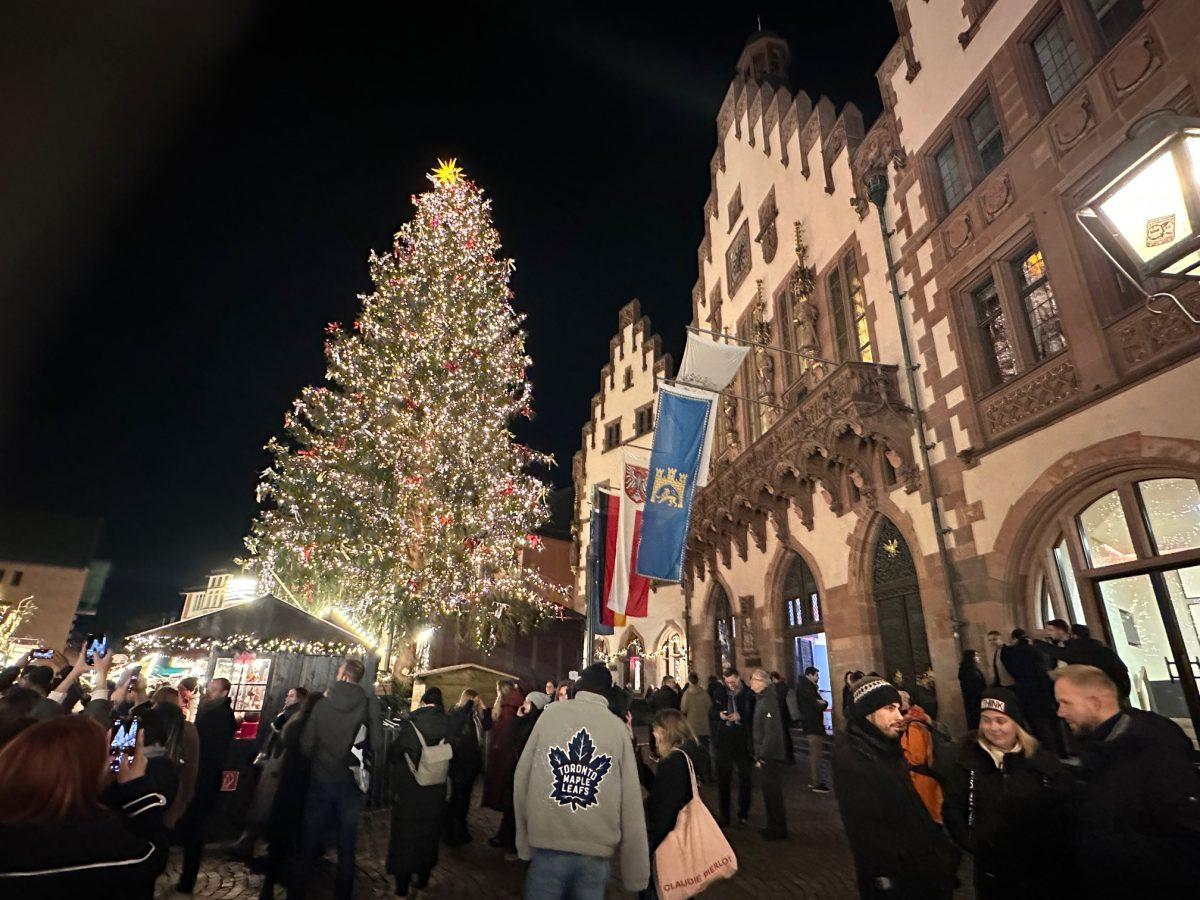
x: 695, y: 854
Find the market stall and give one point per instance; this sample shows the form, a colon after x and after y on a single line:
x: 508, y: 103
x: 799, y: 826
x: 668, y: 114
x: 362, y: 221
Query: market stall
x: 264, y: 647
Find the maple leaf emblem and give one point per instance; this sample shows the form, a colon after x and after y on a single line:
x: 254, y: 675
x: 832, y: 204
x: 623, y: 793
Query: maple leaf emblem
x: 578, y: 772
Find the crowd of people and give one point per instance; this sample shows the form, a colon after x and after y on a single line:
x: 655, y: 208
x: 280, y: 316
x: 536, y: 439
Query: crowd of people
x: 1100, y: 800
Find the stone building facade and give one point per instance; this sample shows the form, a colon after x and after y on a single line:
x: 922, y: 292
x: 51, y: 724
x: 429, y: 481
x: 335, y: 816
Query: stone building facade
x: 643, y: 650
x: 1063, y: 448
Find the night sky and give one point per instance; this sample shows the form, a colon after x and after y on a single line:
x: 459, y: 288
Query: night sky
x: 189, y: 193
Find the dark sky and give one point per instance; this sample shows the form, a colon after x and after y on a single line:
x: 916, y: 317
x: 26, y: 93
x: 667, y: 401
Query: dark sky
x: 189, y: 192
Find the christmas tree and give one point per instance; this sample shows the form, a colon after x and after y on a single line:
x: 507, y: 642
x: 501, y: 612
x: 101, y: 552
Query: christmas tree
x: 399, y: 494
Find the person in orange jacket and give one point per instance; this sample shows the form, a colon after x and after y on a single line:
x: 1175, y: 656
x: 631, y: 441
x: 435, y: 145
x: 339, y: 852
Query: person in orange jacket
x: 916, y: 740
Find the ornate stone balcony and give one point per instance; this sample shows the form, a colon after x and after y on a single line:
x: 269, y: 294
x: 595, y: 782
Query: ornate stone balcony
x: 849, y: 439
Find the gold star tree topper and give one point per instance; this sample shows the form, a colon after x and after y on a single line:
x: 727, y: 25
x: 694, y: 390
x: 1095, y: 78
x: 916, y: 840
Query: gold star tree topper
x: 448, y: 173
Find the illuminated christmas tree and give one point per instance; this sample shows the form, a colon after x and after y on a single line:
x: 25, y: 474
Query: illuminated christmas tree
x: 399, y: 495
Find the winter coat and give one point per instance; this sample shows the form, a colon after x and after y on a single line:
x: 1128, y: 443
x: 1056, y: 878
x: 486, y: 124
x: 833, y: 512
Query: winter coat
x: 1031, y: 681
x: 501, y: 756
x: 215, y: 727
x: 972, y: 682
x: 519, y: 733
x: 332, y: 727
x: 812, y: 707
x: 732, y: 737
x: 664, y: 698
x: 416, y: 809
x: 768, y: 729
x: 916, y: 742
x: 1013, y: 819
x: 464, y: 731
x: 189, y: 769
x: 1137, y: 822
x: 670, y: 790
x: 109, y: 854
x: 696, y: 706
x: 577, y: 788
x: 285, y: 823
x: 1090, y: 652
x: 898, y: 850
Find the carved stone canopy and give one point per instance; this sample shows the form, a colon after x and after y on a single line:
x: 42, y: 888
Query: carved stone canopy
x: 849, y: 439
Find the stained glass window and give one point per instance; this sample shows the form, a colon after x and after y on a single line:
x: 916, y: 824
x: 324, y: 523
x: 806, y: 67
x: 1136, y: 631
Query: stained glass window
x: 1039, y: 303
x: 1000, y: 361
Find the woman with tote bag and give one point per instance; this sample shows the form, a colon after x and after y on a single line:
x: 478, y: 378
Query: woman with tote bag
x: 688, y: 849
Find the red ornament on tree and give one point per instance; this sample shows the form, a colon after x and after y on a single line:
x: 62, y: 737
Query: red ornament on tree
x: 450, y: 366
x: 527, y: 412
x: 332, y: 327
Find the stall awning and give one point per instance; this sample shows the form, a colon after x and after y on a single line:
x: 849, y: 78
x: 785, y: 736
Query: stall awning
x: 264, y: 625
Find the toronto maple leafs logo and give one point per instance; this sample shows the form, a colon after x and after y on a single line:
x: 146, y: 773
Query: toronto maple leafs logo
x: 578, y: 772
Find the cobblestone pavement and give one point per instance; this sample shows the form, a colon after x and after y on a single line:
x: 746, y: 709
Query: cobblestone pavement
x: 814, y: 862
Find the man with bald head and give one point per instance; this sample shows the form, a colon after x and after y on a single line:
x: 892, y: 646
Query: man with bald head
x: 1138, y: 815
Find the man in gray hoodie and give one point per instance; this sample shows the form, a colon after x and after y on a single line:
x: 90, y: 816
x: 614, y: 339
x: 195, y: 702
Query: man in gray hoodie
x: 333, y: 795
x: 578, y: 799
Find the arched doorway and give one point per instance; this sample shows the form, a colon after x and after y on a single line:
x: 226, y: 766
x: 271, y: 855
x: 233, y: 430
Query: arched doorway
x: 724, y: 631
x: 633, y: 663
x: 672, y: 658
x: 898, y: 608
x: 803, y: 628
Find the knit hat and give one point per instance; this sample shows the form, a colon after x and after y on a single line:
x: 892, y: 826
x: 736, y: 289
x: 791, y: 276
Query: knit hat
x: 537, y: 699
x: 595, y: 678
x: 1002, y: 700
x: 872, y: 693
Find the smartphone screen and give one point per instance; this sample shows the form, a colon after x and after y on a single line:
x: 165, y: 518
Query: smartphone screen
x: 97, y: 645
x: 124, y: 740
x: 43, y: 653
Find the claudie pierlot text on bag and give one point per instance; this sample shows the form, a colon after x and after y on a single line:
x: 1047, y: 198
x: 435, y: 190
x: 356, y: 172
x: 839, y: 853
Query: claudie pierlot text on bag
x: 697, y: 879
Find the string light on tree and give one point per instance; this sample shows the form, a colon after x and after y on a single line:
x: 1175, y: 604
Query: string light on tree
x: 397, y: 493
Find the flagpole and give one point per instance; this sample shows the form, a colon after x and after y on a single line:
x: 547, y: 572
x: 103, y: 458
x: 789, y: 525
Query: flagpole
x: 740, y: 340
x: 589, y: 650
x: 699, y: 387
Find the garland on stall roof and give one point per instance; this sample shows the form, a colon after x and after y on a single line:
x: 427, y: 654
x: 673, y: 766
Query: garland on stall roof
x: 636, y: 648
x: 183, y: 645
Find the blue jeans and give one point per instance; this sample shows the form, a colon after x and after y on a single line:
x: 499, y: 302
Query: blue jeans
x: 339, y: 802
x: 558, y: 875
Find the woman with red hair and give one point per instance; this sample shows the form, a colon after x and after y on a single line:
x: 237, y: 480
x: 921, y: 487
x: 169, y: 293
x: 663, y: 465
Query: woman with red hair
x: 57, y: 838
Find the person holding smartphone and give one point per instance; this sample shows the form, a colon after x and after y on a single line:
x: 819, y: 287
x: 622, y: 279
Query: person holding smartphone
x: 57, y: 838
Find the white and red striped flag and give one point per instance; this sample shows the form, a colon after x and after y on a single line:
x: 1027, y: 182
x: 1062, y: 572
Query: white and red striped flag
x: 629, y: 593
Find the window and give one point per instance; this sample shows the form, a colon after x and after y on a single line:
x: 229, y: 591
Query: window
x: 612, y: 434
x: 627, y: 378
x: 950, y: 174
x: 1115, y: 17
x: 798, y: 315
x: 1058, y: 57
x: 17, y: 576
x: 1038, y: 302
x: 1000, y: 362
x: 735, y: 207
x: 801, y: 600
x: 1010, y: 316
x: 643, y: 420
x: 1107, y: 557
x: 985, y: 132
x: 848, y: 306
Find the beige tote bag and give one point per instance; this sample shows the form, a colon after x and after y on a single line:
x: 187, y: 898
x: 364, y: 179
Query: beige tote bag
x: 695, y: 854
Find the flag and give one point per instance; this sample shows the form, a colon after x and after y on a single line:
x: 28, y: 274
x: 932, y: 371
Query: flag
x: 707, y: 368
x: 598, y: 612
x: 678, y: 440
x: 627, y: 593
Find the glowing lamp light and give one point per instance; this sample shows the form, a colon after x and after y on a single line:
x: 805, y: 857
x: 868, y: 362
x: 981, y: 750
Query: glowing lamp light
x: 241, y: 589
x: 425, y: 635
x: 1146, y: 214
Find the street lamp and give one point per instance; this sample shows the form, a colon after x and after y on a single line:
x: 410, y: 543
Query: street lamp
x: 1146, y: 215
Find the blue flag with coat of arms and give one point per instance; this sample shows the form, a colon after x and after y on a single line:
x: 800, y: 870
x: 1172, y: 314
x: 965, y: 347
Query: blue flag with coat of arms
x: 679, y: 431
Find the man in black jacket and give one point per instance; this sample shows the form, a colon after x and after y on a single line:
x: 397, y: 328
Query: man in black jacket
x: 770, y: 753
x: 899, y: 851
x: 1138, y: 816
x: 215, y: 726
x: 1081, y: 649
x: 334, y: 798
x: 812, y: 720
x: 666, y: 697
x: 1029, y: 670
x: 731, y: 717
